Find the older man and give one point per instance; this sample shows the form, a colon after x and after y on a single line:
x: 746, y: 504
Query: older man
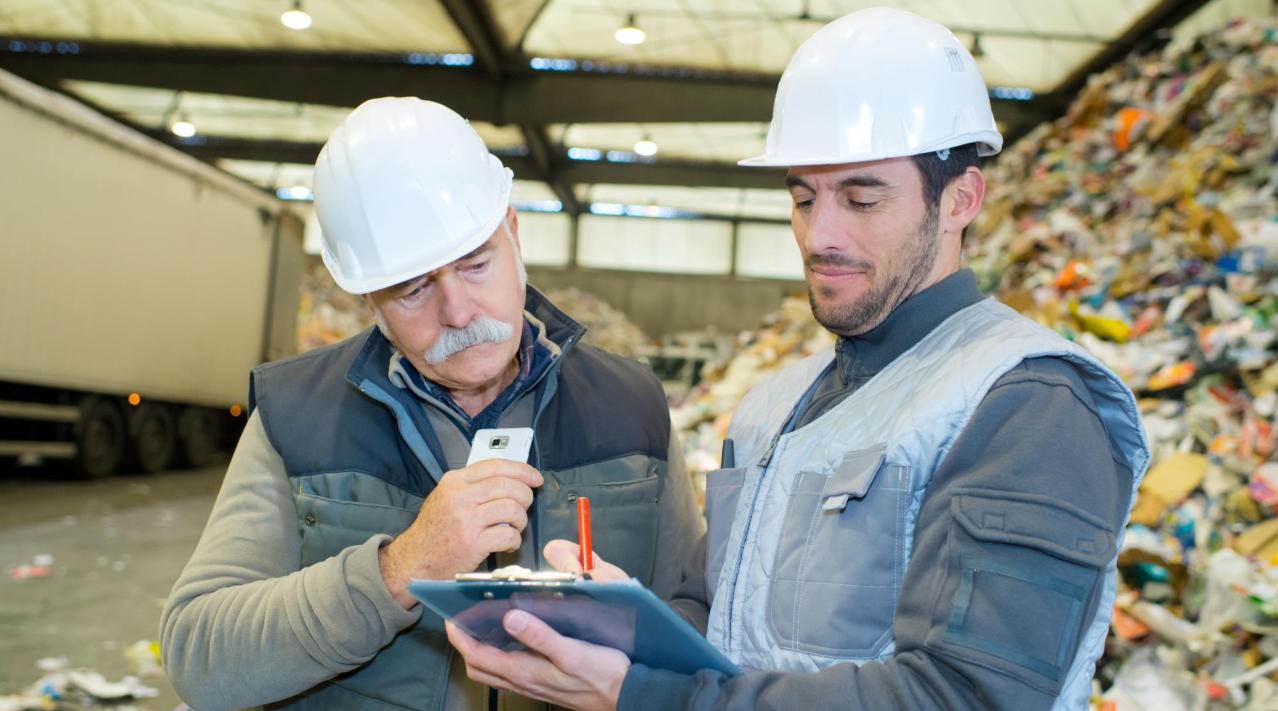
x: 350, y: 477
x: 929, y: 515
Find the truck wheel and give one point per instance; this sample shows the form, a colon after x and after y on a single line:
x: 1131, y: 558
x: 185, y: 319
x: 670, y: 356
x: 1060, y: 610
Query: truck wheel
x: 154, y: 437
x: 197, y: 437
x: 99, y: 438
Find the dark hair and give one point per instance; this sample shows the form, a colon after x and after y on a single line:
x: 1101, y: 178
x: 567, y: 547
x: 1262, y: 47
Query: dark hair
x: 937, y: 173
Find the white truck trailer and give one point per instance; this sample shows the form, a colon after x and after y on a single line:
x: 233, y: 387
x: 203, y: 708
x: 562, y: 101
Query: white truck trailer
x: 138, y: 287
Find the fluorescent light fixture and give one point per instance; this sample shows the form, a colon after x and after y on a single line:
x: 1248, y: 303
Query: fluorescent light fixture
x: 539, y: 206
x: 1012, y: 93
x: 646, y: 147
x: 576, y: 153
x: 182, y: 128
x: 630, y: 32
x: 296, y: 18
x: 296, y: 192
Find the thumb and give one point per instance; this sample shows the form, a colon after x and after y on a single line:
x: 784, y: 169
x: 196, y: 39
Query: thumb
x: 538, y: 636
x: 564, y: 556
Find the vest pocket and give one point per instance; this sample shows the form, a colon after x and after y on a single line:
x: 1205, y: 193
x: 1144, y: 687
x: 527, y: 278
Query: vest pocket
x: 840, y: 559
x: 624, y: 495
x: 723, y: 490
x: 1023, y: 574
x: 328, y: 525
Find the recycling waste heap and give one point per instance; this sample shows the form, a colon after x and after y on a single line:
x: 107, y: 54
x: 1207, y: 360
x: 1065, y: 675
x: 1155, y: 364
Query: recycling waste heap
x: 326, y: 315
x: 1144, y: 226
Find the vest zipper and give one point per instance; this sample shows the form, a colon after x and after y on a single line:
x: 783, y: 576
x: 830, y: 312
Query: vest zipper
x: 745, y: 536
x: 764, y: 463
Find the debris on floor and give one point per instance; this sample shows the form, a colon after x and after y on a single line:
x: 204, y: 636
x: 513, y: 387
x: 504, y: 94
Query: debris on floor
x: 62, y: 684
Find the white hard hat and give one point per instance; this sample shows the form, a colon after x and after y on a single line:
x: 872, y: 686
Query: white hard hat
x: 403, y: 187
x: 878, y: 83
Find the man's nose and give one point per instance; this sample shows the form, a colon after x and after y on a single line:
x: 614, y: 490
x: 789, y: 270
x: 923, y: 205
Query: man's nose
x: 827, y: 228
x: 456, y: 308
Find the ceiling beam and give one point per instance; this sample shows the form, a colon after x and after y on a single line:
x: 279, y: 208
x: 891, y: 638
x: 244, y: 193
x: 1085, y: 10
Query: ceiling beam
x: 673, y: 172
x: 472, y: 20
x: 475, y: 22
x: 659, y: 172
x: 644, y: 95
x: 541, y: 152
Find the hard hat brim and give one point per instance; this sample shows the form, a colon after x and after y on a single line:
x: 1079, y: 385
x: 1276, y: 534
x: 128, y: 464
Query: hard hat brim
x: 988, y: 144
x: 482, y: 234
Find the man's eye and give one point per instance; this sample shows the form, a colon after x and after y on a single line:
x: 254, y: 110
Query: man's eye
x: 803, y: 204
x: 414, y: 293
x: 862, y: 206
x: 477, y: 266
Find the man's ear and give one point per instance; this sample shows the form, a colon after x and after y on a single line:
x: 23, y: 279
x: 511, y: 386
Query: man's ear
x: 961, y: 202
x: 512, y: 218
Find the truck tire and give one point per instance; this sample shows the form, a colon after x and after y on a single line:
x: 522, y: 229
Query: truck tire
x: 153, y: 438
x: 197, y: 437
x: 99, y: 438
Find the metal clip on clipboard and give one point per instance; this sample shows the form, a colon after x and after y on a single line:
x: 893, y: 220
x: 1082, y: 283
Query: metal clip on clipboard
x: 518, y: 573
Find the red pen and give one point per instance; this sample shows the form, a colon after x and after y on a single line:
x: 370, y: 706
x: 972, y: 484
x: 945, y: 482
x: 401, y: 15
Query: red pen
x: 583, y: 534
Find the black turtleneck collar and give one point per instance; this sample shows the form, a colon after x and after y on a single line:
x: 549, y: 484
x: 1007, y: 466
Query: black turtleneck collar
x: 860, y: 358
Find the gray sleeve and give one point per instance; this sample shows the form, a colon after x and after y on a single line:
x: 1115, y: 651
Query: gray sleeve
x: 679, y: 522
x: 691, y: 599
x: 245, y: 624
x: 1035, y: 434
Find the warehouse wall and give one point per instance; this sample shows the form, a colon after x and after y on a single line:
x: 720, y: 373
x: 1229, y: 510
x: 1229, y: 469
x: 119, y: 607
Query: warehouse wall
x: 669, y: 303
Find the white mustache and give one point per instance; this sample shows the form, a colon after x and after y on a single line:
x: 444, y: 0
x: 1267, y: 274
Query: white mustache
x: 451, y: 341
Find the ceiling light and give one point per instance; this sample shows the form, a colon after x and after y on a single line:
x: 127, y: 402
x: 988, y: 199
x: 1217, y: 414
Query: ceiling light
x: 630, y: 32
x: 646, y: 147
x: 297, y: 18
x: 182, y: 128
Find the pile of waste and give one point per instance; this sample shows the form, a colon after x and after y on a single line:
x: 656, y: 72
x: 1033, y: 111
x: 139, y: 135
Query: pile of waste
x: 326, y: 314
x: 1144, y: 226
x: 606, y: 327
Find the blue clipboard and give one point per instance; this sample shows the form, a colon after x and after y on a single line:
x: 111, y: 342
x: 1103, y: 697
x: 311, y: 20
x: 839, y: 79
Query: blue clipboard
x: 622, y: 615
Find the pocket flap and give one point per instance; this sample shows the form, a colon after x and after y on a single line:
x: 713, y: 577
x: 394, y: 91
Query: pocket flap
x: 852, y: 478
x: 1038, y: 522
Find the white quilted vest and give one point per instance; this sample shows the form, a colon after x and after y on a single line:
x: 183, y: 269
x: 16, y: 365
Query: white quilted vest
x: 775, y: 602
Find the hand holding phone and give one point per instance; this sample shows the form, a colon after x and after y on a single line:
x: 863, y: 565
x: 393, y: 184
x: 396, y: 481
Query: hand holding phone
x: 479, y: 509
x: 513, y: 443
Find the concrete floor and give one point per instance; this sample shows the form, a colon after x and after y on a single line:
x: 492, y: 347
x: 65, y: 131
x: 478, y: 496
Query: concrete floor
x: 118, y: 546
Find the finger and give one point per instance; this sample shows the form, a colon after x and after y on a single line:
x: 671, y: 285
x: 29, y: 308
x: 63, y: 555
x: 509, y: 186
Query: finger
x: 499, y: 539
x: 563, y: 556
x: 513, y: 671
x: 563, y: 652
x: 478, y: 675
x: 501, y: 467
x: 459, y: 639
x: 499, y: 488
x: 501, y: 511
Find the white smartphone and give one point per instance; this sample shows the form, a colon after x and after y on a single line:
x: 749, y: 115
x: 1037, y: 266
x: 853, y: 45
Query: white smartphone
x: 513, y: 443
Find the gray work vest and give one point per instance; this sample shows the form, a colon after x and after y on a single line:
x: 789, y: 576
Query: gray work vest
x: 811, y: 535
x: 359, y: 457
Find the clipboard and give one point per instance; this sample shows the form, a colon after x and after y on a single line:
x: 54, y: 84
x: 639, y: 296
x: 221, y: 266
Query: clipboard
x: 623, y: 615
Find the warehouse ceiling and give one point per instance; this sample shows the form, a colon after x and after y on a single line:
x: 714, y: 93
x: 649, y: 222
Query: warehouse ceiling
x: 547, y: 83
